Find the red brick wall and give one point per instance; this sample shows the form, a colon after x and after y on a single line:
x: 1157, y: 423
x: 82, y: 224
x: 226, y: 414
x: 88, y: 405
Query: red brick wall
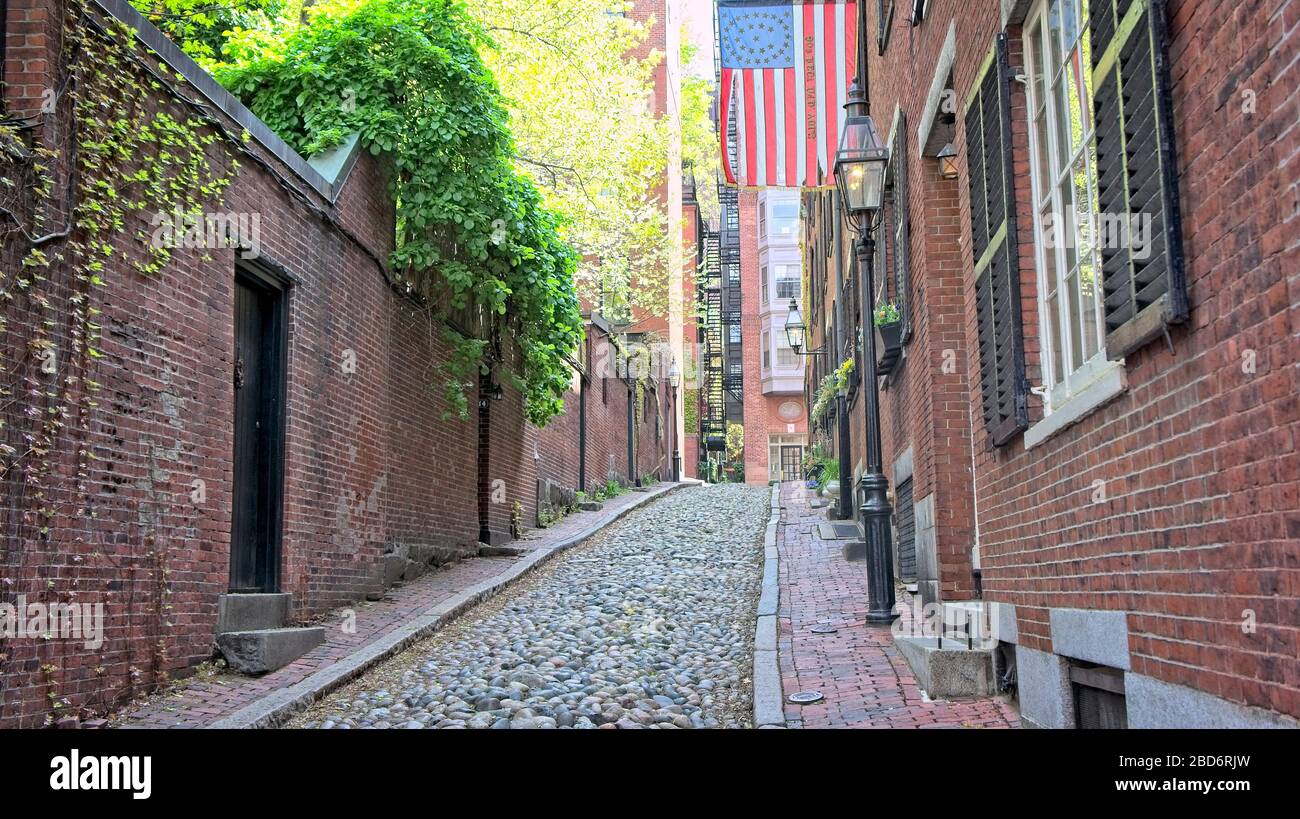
x: 369, y: 458
x: 557, y: 443
x: 1197, y: 459
x: 925, y: 402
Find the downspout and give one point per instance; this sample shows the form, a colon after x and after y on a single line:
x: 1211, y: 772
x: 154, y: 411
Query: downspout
x: 842, y: 401
x: 582, y: 434
x: 632, y: 478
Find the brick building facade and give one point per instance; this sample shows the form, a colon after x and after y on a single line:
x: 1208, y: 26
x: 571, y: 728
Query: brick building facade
x: 775, y: 413
x: 1092, y: 427
x: 367, y: 456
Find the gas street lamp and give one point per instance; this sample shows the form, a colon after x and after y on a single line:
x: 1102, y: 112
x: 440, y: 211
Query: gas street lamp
x: 860, y: 175
x: 796, y: 332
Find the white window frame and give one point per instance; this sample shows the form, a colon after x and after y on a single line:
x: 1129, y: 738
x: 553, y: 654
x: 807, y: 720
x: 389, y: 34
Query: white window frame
x: 767, y: 351
x: 1077, y: 376
x: 763, y: 272
x: 797, y: 279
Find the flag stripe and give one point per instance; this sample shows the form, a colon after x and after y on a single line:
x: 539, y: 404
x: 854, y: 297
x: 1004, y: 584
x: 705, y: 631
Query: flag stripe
x: 769, y: 125
x: 724, y: 110
x: 800, y: 114
x: 810, y: 95
x: 829, y: 93
x: 779, y: 123
x: 788, y: 84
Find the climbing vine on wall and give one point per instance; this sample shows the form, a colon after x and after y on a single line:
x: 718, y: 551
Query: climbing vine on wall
x: 74, y: 213
x: 473, y: 234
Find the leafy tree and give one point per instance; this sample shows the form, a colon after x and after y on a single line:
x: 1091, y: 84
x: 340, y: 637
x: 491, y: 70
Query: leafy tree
x: 581, y: 108
x: 474, y: 235
x: 700, y: 137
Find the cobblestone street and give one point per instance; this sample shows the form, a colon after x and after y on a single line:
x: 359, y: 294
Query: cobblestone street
x: 650, y: 624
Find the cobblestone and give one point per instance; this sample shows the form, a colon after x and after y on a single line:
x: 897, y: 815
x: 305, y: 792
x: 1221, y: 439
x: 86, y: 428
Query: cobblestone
x: 648, y: 625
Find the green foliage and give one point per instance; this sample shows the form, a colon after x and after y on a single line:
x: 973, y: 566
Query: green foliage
x: 129, y: 165
x: 820, y: 465
x: 577, y: 96
x: 699, y: 136
x: 474, y: 236
x: 735, y: 441
x: 611, y: 489
x: 887, y: 313
x: 833, y: 384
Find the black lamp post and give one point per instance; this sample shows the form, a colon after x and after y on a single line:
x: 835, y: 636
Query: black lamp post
x: 675, y: 382
x: 860, y: 176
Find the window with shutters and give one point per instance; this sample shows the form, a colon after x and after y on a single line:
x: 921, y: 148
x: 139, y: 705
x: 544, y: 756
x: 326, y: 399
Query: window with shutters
x: 1063, y: 165
x: 1143, y: 280
x: 987, y: 122
x: 900, y: 224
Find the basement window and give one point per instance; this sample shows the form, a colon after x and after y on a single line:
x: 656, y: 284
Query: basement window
x: 1098, y: 693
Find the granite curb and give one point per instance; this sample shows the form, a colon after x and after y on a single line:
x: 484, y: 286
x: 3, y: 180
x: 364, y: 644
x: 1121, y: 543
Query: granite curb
x: 769, y: 709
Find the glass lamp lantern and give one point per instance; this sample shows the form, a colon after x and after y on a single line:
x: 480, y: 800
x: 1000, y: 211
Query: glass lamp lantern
x: 860, y: 165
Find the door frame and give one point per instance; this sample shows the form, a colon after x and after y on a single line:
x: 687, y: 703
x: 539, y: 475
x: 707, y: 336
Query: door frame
x: 277, y: 286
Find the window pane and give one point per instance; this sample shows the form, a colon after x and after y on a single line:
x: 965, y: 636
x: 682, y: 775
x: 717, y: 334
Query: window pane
x: 1088, y: 303
x: 1076, y: 338
x: 1067, y: 235
x: 1082, y: 207
x: 1044, y: 172
x: 1054, y: 328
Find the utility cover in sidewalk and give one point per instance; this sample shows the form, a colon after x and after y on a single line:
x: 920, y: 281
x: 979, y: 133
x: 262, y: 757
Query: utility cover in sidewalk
x: 805, y: 697
x: 824, y: 628
x: 838, y: 530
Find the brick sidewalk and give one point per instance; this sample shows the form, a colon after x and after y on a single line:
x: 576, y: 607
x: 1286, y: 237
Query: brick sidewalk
x: 198, y: 703
x: 866, y: 681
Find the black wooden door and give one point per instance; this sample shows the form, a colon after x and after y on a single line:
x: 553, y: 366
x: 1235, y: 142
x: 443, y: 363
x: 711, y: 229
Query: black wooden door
x: 258, y: 456
x: 791, y: 463
x: 905, y: 520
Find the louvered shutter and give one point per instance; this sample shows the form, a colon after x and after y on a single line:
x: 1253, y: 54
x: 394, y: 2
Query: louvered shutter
x: 993, y: 233
x: 1143, y: 277
x: 901, y: 226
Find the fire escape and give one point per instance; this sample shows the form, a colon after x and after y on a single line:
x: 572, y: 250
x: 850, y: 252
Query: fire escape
x: 713, y: 418
x: 729, y: 255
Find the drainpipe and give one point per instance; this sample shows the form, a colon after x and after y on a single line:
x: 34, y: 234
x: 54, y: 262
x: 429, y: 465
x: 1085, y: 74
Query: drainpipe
x: 582, y: 433
x: 632, y: 478
x: 841, y: 401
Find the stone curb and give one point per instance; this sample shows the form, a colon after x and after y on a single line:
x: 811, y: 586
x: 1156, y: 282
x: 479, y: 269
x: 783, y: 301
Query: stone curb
x: 769, y: 707
x: 278, y: 706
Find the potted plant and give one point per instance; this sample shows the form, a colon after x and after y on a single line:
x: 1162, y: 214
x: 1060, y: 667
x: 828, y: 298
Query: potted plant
x: 889, y: 336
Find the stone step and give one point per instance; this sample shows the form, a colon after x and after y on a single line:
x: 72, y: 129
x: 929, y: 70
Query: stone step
x: 263, y: 650
x: 251, y: 612
x: 947, y: 668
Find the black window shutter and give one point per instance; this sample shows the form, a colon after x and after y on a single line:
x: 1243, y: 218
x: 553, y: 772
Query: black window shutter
x: 1001, y: 343
x: 901, y: 227
x: 1143, y: 277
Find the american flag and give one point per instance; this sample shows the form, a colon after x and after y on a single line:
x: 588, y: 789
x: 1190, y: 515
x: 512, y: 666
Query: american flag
x: 786, y: 69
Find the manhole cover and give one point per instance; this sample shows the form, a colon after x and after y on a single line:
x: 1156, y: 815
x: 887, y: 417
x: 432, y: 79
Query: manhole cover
x: 805, y: 697
x: 824, y: 628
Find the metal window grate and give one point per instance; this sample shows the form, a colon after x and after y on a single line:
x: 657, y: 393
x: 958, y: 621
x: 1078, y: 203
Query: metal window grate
x: 1098, y: 697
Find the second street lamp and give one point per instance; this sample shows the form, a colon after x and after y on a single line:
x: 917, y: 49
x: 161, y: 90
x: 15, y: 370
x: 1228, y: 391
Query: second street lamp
x: 860, y: 176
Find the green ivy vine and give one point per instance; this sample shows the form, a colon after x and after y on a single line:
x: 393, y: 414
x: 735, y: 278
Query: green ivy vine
x: 74, y: 213
x: 473, y: 234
